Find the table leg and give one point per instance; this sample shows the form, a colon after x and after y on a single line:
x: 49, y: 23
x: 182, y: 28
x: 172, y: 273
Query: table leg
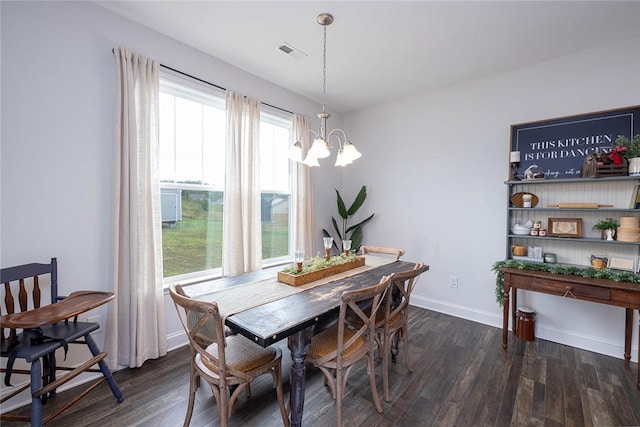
x: 298, y: 344
x: 396, y: 301
x: 514, y: 309
x: 628, y: 327
x: 394, y: 346
x: 505, y: 317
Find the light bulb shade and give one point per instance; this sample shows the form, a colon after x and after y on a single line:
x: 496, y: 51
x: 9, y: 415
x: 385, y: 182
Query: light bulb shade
x: 341, y: 160
x: 319, y: 149
x: 311, y: 160
x: 295, y: 152
x: 350, y: 153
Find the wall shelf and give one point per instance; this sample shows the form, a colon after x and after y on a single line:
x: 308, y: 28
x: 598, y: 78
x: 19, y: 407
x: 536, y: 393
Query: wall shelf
x: 616, y: 191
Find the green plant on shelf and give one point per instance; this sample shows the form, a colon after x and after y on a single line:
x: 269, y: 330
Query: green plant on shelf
x: 606, y: 224
x: 631, y: 146
x: 318, y: 263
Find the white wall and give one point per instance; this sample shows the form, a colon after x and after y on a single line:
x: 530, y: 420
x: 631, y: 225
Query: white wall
x: 58, y: 87
x: 435, y: 166
x: 434, y: 163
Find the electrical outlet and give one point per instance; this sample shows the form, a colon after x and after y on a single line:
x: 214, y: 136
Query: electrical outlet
x: 453, y: 282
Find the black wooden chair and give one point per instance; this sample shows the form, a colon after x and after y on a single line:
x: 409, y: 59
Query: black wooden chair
x: 36, y: 331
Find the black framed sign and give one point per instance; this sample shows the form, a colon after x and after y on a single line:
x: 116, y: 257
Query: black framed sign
x: 559, y: 146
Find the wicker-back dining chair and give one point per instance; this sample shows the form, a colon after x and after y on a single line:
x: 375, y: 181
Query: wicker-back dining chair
x: 225, y: 362
x: 337, y: 349
x: 392, y: 323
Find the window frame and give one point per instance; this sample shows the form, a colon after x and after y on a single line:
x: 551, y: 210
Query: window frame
x: 178, y: 85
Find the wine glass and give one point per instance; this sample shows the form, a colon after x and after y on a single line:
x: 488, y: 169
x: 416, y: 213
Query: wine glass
x: 328, y: 242
x: 346, y: 247
x: 298, y: 257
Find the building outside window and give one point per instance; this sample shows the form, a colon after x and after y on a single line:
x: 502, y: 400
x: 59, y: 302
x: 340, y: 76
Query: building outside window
x: 192, y: 161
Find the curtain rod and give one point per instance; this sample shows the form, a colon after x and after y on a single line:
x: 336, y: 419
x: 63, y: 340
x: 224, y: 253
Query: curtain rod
x: 217, y: 86
x: 210, y: 84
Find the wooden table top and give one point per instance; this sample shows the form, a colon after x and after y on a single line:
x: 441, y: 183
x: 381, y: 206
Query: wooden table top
x: 273, y: 321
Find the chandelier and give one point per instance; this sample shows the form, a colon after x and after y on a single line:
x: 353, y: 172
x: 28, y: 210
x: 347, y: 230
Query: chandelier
x: 321, y: 146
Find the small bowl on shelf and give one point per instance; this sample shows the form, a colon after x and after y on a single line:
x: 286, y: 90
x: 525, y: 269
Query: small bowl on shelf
x: 522, y: 229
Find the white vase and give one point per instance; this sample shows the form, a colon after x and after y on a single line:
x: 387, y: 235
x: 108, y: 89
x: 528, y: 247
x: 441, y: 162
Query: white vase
x: 609, y: 233
x: 634, y: 166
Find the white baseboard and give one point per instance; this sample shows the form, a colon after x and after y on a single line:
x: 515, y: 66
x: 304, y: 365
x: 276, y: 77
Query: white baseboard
x: 571, y: 338
x: 177, y: 340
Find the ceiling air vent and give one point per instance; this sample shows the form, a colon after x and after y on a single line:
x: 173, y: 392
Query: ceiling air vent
x: 292, y: 51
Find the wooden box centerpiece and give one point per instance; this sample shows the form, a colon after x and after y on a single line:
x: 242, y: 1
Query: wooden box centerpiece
x: 319, y: 269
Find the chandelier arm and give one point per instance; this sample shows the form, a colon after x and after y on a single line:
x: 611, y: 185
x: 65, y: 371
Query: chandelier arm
x: 311, y: 131
x: 340, y: 143
x: 336, y: 130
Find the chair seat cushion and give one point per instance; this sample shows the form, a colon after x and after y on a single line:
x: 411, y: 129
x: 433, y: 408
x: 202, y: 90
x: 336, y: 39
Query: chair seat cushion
x: 240, y: 354
x: 326, y: 342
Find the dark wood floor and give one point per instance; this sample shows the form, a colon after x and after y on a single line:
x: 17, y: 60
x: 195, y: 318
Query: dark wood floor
x: 461, y: 378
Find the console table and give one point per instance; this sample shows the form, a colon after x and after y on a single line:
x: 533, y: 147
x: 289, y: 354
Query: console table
x: 603, y: 291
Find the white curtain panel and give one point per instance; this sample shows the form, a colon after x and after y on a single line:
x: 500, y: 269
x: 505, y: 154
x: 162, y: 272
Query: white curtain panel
x: 302, y: 194
x: 136, y: 328
x: 242, y: 228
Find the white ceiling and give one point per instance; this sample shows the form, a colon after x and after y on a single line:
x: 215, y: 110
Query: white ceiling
x: 381, y: 50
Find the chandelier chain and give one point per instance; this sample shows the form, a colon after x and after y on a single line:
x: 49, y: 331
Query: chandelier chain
x: 324, y: 69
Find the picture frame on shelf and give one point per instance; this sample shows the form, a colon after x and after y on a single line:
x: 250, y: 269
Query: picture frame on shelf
x: 622, y: 263
x: 534, y: 251
x: 564, y: 227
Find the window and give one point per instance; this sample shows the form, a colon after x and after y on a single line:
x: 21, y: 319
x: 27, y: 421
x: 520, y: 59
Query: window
x: 192, y: 161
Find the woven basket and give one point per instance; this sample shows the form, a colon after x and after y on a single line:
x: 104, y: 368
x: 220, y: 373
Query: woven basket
x: 516, y: 199
x: 629, y: 222
x: 519, y: 250
x: 626, y: 234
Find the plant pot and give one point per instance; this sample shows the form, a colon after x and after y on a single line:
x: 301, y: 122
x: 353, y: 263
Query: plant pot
x: 634, y: 166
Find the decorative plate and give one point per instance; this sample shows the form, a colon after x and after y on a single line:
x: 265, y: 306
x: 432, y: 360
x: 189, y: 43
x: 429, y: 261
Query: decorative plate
x: 516, y: 199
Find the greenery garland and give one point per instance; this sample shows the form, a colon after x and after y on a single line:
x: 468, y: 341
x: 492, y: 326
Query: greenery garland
x: 588, y: 272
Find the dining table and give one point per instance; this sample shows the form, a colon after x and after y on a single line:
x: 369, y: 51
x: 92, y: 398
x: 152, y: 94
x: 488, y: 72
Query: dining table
x: 295, y: 314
